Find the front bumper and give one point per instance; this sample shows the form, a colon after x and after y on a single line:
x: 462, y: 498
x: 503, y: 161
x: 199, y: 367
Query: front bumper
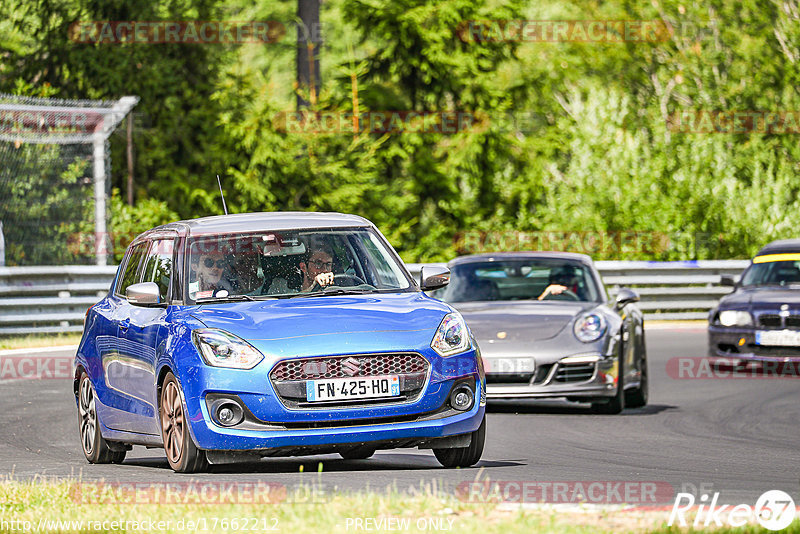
x: 740, y: 343
x: 275, y: 425
x: 559, y: 379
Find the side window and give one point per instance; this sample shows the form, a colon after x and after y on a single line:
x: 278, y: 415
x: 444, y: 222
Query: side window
x: 132, y: 270
x: 158, y: 266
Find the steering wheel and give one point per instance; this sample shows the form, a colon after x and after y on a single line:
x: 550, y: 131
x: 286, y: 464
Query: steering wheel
x: 342, y: 280
x: 569, y: 294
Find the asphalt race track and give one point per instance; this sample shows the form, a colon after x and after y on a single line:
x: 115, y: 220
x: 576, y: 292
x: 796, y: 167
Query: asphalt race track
x: 738, y: 437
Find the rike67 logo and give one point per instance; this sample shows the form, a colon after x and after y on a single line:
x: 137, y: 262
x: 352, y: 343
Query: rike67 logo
x: 774, y: 510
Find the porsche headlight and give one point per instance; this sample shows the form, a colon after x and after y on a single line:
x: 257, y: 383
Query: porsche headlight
x: 590, y: 327
x: 222, y: 349
x: 452, y: 335
x: 735, y: 318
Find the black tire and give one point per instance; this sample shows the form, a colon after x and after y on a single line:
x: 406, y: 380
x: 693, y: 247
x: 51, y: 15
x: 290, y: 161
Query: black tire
x: 96, y: 449
x: 637, y: 397
x: 464, y: 456
x: 615, y: 404
x: 360, y: 453
x: 182, y: 453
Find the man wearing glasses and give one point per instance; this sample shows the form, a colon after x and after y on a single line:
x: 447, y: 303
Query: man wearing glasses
x: 317, y: 269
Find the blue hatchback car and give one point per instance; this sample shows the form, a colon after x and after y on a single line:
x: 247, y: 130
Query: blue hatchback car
x: 238, y: 337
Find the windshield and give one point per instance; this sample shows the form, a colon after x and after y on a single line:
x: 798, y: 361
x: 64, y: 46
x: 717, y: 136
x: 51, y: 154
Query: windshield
x: 520, y: 280
x: 773, y: 273
x: 291, y: 263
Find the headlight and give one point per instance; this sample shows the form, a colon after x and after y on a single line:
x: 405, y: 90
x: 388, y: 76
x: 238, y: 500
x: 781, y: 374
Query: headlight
x: 735, y: 318
x: 452, y: 335
x: 590, y: 327
x: 222, y: 349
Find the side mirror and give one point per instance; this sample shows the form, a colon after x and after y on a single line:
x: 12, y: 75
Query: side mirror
x: 625, y: 296
x: 143, y: 294
x: 433, y: 277
x: 727, y: 280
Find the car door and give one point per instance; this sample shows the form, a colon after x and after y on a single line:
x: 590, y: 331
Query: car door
x: 140, y: 330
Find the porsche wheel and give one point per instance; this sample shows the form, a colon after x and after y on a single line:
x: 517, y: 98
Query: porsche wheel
x: 182, y: 454
x: 96, y: 449
x: 464, y: 456
x: 637, y: 397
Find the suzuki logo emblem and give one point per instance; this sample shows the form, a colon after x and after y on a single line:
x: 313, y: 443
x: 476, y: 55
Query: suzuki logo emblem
x: 351, y: 366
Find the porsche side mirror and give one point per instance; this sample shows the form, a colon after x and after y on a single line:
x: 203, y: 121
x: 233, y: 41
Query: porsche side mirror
x: 143, y: 294
x: 727, y: 280
x: 625, y: 296
x: 433, y: 277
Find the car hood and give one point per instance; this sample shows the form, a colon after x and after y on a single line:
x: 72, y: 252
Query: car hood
x: 761, y: 299
x: 520, y: 321
x: 306, y: 326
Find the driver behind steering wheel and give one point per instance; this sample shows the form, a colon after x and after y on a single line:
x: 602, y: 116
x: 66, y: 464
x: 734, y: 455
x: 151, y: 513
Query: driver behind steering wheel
x: 317, y: 269
x: 562, y: 279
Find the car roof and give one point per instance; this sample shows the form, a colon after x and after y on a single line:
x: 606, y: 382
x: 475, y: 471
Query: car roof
x: 780, y: 246
x: 250, y: 222
x: 540, y: 255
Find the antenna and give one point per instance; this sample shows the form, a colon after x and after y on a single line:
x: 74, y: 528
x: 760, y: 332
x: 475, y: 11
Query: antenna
x: 219, y: 182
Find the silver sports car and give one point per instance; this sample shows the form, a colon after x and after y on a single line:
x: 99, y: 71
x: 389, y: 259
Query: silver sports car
x: 546, y: 329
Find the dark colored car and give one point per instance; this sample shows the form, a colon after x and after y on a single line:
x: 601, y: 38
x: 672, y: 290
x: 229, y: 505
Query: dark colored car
x: 214, y: 344
x: 546, y: 328
x: 760, y: 320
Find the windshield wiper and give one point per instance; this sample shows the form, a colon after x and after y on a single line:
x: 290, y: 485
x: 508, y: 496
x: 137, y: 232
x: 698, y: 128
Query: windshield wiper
x: 333, y: 291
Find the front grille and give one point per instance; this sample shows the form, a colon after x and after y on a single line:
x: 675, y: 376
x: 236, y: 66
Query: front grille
x: 793, y: 321
x: 289, y: 376
x: 574, y: 372
x: 349, y: 366
x: 770, y: 320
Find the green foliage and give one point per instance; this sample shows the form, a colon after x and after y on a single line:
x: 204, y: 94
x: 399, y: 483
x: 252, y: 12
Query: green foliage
x: 572, y: 137
x: 129, y: 221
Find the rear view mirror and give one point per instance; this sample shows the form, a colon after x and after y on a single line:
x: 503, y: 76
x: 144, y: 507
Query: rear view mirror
x: 143, y: 294
x: 433, y: 277
x: 727, y: 280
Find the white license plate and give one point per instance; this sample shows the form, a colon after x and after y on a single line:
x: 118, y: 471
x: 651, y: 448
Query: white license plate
x: 368, y: 387
x: 778, y: 338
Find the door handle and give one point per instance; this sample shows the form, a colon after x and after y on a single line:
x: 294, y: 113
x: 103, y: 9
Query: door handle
x: 124, y: 324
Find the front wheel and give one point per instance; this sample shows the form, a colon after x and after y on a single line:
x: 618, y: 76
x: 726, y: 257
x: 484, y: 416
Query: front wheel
x: 95, y: 447
x: 464, y: 456
x: 637, y: 397
x: 182, y: 454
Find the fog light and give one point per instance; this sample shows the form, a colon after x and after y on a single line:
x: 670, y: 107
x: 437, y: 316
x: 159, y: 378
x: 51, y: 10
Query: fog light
x: 462, y: 399
x: 227, y: 412
x: 226, y: 416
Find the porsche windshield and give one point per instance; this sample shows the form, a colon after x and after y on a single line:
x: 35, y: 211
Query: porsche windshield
x: 283, y: 264
x: 520, y: 280
x: 773, y: 273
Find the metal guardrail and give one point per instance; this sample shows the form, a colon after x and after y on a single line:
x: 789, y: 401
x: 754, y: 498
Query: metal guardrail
x: 55, y: 299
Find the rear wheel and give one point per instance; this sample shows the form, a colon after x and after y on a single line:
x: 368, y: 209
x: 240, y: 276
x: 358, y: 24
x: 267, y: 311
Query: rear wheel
x: 96, y: 449
x: 464, y: 456
x: 182, y: 454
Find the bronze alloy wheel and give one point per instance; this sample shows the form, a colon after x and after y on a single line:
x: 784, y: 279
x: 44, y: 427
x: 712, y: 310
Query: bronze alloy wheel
x: 96, y: 449
x: 172, y: 422
x: 182, y: 454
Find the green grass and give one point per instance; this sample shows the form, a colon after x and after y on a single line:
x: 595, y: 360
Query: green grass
x: 39, y: 340
x: 305, y: 511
